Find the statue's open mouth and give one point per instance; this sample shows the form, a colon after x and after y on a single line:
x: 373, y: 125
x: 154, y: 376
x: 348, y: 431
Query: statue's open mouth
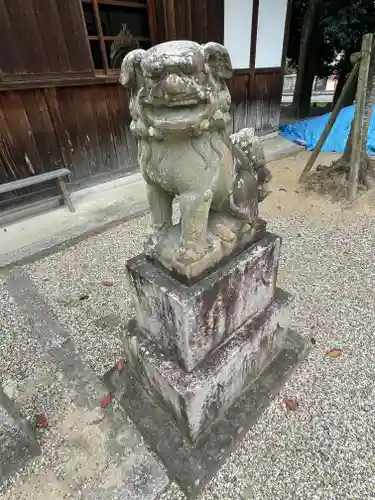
x: 176, y: 103
x: 177, y: 114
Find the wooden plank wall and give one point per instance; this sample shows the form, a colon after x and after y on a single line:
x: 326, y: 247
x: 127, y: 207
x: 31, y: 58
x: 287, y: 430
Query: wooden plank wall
x: 256, y: 98
x: 198, y: 20
x: 85, y: 129
x: 42, y: 38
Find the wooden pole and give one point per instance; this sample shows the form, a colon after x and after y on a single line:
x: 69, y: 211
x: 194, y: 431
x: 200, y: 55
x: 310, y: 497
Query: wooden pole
x: 336, y: 110
x: 359, y: 139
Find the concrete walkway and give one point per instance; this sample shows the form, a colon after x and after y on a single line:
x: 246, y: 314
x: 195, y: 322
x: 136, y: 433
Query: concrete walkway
x: 97, y: 208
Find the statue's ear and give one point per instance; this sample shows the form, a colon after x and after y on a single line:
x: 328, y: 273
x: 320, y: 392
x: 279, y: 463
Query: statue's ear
x: 129, y: 67
x: 217, y: 58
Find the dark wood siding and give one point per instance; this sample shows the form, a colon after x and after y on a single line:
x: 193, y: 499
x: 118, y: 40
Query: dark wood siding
x: 85, y: 129
x: 198, y: 20
x: 43, y: 38
x: 256, y: 98
x: 45, y: 124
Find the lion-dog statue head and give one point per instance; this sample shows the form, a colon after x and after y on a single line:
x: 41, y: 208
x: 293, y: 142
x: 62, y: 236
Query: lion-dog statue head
x: 177, y: 86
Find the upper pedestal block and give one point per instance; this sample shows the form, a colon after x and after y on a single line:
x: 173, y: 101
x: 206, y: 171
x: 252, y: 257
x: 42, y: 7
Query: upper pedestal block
x: 187, y: 322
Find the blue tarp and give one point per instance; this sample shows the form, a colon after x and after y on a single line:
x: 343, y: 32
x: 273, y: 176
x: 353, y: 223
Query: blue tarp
x: 307, y: 132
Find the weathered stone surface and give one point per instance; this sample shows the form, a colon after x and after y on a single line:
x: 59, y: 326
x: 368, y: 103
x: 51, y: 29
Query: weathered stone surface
x: 188, y: 322
x: 193, y: 464
x: 180, y: 115
x: 197, y: 399
x: 17, y: 440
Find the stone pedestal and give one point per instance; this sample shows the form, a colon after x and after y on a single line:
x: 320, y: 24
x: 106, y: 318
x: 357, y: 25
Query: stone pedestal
x: 203, y: 361
x: 187, y: 322
x: 17, y: 441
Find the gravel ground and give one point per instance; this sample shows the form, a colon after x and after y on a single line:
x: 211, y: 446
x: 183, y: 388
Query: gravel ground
x: 96, y: 321
x: 84, y: 449
x: 32, y: 381
x: 324, y: 450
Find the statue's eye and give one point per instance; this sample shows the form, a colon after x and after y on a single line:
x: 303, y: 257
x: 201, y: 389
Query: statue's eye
x: 200, y: 78
x: 187, y: 68
x: 156, y: 71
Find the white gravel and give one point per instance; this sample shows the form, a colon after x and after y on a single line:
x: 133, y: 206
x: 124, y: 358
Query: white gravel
x: 96, y: 321
x: 324, y: 450
x: 33, y: 382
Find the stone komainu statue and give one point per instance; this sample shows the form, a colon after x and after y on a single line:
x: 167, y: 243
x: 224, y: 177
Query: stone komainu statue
x: 180, y: 109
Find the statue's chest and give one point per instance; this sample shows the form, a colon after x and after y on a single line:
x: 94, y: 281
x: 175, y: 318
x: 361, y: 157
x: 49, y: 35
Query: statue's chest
x: 173, y: 165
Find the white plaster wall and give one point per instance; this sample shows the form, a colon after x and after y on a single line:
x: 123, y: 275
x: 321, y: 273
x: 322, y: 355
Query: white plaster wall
x: 270, y: 35
x: 237, y: 31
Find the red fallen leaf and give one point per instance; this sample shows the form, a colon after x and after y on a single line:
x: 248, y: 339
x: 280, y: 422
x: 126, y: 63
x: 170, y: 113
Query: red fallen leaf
x: 41, y: 421
x: 107, y: 283
x: 120, y: 364
x: 106, y: 400
x: 334, y: 353
x: 291, y: 404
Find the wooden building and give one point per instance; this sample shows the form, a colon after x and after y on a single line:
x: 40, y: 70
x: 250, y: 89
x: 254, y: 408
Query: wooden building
x: 60, y: 101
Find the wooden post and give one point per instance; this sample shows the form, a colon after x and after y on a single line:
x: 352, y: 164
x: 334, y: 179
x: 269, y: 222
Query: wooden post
x: 359, y: 139
x: 336, y: 110
x: 100, y: 34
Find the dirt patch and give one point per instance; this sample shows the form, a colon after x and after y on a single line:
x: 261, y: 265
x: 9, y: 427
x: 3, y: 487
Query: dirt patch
x: 290, y: 197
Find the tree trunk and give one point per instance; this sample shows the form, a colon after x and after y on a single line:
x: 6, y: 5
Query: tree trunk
x: 340, y: 85
x: 303, y: 108
x: 306, y: 70
x: 366, y: 170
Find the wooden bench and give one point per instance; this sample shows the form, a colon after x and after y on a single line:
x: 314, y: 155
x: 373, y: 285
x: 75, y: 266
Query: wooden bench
x: 58, y: 175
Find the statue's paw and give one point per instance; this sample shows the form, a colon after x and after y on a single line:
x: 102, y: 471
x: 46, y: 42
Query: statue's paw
x: 191, y: 254
x: 223, y: 232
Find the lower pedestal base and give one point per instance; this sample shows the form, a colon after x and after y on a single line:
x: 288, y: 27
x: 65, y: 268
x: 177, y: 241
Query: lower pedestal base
x: 192, y: 465
x: 18, y: 443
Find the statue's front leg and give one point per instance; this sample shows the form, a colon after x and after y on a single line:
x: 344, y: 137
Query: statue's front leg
x: 160, y: 203
x: 194, y: 208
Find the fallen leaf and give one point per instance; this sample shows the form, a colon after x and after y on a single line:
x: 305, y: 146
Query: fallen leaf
x: 291, y: 404
x: 106, y: 400
x: 312, y: 340
x: 41, y: 421
x: 107, y: 283
x: 120, y: 364
x: 334, y: 353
